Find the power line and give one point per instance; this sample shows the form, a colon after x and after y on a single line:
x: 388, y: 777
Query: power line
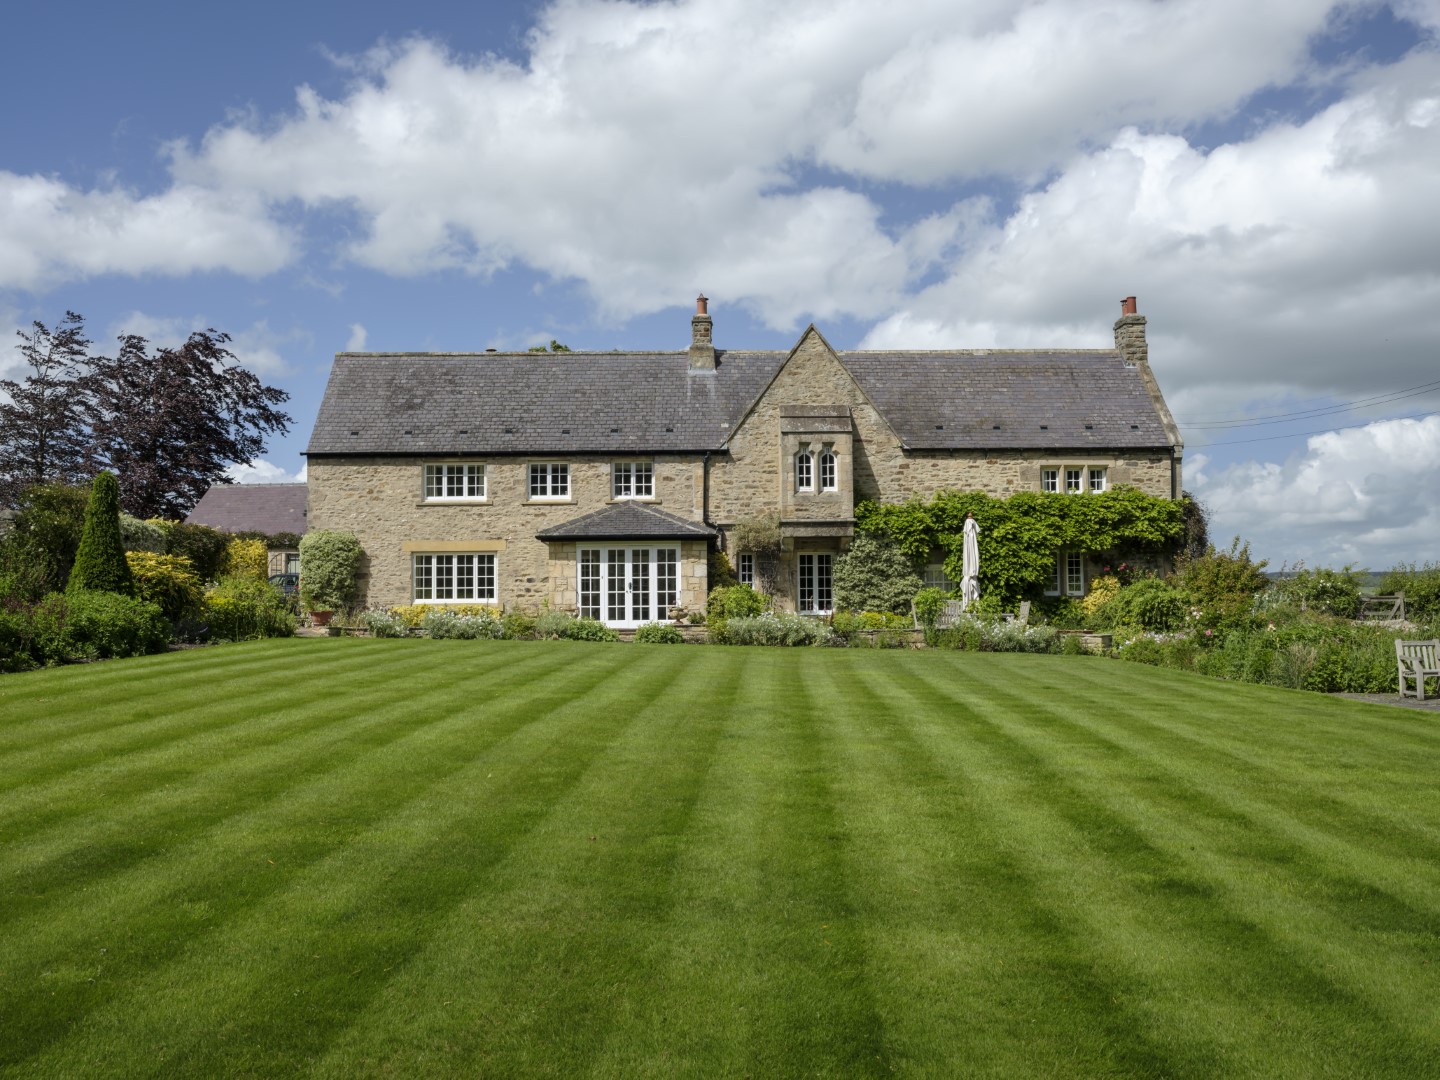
x: 1291, y: 417
x: 1305, y: 434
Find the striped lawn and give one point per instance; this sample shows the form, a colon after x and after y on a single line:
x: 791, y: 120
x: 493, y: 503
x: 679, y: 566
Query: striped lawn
x: 408, y: 858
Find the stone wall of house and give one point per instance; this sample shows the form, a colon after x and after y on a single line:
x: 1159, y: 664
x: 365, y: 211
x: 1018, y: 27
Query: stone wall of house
x: 380, y: 499
x: 755, y: 477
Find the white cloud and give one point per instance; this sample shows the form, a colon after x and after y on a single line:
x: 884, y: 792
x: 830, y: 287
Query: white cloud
x: 648, y: 150
x: 357, y: 338
x: 51, y: 232
x: 1299, y: 260
x: 1352, y: 496
x: 261, y: 471
x: 973, y: 95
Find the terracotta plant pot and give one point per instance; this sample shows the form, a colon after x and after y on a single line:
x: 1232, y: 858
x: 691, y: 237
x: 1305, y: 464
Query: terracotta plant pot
x: 321, y: 618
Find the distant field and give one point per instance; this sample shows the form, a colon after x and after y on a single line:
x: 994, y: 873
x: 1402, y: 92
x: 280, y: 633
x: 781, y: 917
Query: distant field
x: 412, y: 858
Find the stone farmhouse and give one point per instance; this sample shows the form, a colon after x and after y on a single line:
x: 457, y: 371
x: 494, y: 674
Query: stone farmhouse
x: 598, y: 482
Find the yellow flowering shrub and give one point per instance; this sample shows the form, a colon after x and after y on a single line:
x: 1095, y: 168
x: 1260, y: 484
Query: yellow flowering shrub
x: 1102, y: 591
x: 413, y: 614
x: 246, y: 558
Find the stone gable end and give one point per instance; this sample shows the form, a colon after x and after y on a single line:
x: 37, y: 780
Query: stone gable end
x: 751, y: 479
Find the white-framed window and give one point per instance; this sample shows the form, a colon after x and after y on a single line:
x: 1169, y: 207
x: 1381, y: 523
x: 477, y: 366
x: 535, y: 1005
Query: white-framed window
x: 1050, y: 480
x: 460, y: 578
x: 454, y: 481
x: 549, y: 480
x: 936, y: 578
x: 829, y: 474
x: 1074, y: 481
x: 1067, y: 576
x: 1097, y: 480
x: 745, y: 568
x: 632, y: 480
x: 804, y: 471
x: 815, y: 589
x: 628, y: 586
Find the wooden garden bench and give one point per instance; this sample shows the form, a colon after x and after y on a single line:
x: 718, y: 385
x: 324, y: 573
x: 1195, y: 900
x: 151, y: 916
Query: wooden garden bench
x: 1022, y: 616
x: 947, y: 618
x: 951, y: 615
x: 1417, y: 660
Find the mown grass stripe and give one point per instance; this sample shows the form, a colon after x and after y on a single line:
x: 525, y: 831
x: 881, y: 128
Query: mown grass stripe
x: 125, y: 727
x: 44, y: 704
x: 1037, y: 865
x: 585, y: 892
x: 113, y: 823
x: 1286, y: 909
x: 375, y: 902
x: 1189, y: 774
x: 127, y: 927
x: 1107, y: 830
x: 1368, y: 807
x: 951, y: 910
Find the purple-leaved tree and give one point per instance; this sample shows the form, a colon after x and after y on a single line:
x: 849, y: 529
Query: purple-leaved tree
x: 168, y: 421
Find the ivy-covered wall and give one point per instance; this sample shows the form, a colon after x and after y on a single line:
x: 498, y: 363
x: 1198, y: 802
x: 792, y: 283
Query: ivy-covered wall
x: 1020, y: 536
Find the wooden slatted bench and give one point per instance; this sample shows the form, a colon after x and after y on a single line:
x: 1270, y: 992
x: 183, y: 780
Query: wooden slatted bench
x: 1417, y: 661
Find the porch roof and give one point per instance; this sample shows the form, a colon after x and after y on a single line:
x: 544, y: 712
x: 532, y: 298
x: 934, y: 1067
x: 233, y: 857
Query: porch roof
x: 628, y: 521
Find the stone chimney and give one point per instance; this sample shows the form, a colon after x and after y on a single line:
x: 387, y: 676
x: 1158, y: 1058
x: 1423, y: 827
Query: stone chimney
x: 1130, y: 334
x: 702, y: 347
x: 1130, y: 344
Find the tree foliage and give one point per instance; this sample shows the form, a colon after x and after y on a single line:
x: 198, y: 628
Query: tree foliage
x: 169, y: 420
x: 203, y: 546
x: 1222, y: 585
x: 100, y: 564
x: 329, y: 569
x: 166, y: 421
x: 43, y: 436
x: 168, y: 581
x: 38, y: 550
x: 760, y: 536
x: 874, y: 575
x: 1020, y: 536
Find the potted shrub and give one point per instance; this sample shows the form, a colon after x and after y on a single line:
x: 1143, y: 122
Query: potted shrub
x: 329, y: 572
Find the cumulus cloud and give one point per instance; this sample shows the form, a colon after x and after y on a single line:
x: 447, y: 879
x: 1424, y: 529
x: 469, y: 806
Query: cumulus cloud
x: 1351, y: 496
x: 261, y: 471
x: 1300, y: 258
x: 356, y: 343
x: 51, y: 232
x: 649, y: 148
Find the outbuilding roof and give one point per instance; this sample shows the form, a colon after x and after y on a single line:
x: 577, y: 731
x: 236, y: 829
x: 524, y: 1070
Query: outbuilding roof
x: 266, y: 508
x: 652, y: 402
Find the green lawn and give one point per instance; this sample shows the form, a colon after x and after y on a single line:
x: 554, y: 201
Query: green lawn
x: 414, y: 858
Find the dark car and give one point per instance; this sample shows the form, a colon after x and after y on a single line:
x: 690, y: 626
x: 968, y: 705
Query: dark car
x: 289, y: 584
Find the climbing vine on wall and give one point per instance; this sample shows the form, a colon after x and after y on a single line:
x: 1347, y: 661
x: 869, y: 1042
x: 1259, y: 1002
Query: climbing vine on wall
x: 1021, y: 536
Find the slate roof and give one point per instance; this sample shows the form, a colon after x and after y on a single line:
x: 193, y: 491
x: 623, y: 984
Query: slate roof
x: 1009, y: 400
x: 266, y: 508
x: 628, y: 521
x: 522, y: 403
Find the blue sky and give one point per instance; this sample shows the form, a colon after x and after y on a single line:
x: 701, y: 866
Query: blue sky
x: 317, y: 177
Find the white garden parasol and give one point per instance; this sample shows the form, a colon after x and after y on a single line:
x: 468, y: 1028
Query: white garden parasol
x: 969, y: 582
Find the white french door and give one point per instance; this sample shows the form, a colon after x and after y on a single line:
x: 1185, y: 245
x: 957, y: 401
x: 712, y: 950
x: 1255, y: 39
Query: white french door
x: 814, y: 594
x: 627, y: 586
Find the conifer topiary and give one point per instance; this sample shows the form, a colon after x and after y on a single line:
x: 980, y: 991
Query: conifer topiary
x: 100, y: 564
